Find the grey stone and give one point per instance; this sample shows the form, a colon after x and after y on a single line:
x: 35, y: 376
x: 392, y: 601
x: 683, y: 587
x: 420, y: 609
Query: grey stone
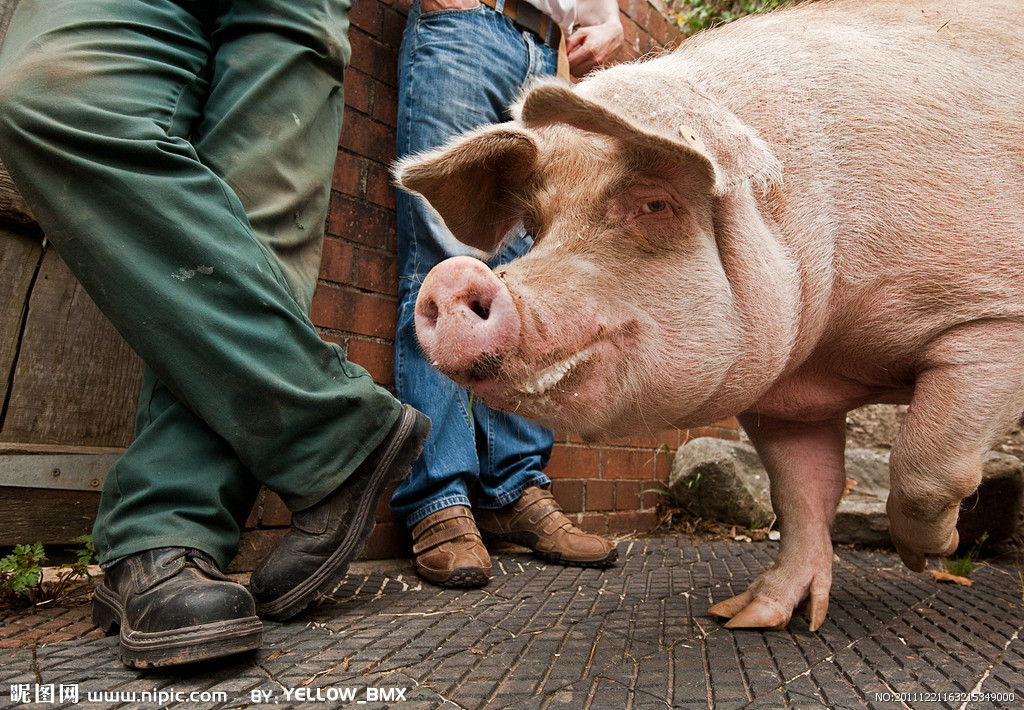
x: 725, y: 481
x: 861, y: 518
x: 722, y: 480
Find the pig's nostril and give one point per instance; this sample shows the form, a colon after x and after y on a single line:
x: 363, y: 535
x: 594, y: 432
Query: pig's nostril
x: 428, y: 310
x: 481, y: 309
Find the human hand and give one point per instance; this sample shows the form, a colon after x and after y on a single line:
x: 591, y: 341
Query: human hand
x: 590, y: 47
x: 435, y: 5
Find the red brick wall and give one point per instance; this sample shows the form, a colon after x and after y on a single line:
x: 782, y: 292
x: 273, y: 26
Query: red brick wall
x: 601, y: 488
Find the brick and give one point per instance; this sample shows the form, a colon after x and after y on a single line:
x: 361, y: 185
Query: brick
x: 375, y: 58
x: 642, y: 521
x: 270, y: 510
x: 363, y: 136
x: 646, y: 44
x: 569, y: 494
x: 627, y: 463
x: 366, y: 16
x: 627, y: 495
x: 393, y: 28
x: 376, y: 357
x: 337, y: 261
x: 359, y: 93
x: 663, y: 463
x: 596, y: 523
x: 383, y: 514
x: 354, y: 311
x: 253, y: 547
x: 385, y: 104
x: 600, y: 495
x: 360, y: 222
x: 703, y: 431
x: 630, y: 41
x: 641, y: 13
x: 370, y: 269
x: 573, y: 462
x: 657, y: 440
x: 376, y: 271
x: 275, y: 512
x: 348, y: 175
x: 379, y: 188
x: 388, y: 540
x: 651, y: 493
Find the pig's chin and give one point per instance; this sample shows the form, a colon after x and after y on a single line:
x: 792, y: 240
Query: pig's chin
x: 570, y: 393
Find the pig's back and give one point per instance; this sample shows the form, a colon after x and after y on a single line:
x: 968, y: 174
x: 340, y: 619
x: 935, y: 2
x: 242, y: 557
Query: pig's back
x: 900, y: 129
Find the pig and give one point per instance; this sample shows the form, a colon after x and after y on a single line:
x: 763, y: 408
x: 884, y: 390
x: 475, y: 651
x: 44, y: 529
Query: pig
x: 784, y: 219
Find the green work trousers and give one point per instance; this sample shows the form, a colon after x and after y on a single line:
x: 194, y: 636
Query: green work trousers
x: 179, y: 155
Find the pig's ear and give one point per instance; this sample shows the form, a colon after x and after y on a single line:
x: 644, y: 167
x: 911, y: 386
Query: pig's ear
x: 729, y: 155
x: 471, y: 180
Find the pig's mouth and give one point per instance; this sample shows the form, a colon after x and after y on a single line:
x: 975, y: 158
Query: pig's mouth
x: 567, y: 392
x: 543, y: 381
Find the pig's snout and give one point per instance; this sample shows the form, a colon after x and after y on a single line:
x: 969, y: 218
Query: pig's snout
x: 466, y: 320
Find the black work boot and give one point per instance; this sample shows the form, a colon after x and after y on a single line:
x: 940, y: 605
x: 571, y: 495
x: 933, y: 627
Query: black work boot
x: 311, y: 559
x: 174, y: 606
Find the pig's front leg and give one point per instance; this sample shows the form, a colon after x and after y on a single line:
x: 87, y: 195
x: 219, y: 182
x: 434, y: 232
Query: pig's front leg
x: 806, y: 468
x: 970, y: 392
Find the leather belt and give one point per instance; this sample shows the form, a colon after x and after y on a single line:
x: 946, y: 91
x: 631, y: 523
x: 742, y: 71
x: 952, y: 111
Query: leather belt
x: 530, y: 18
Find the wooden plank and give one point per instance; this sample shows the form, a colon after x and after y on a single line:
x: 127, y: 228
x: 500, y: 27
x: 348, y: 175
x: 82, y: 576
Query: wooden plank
x: 19, y: 259
x: 14, y: 212
x: 62, y: 471
x: 9, y: 448
x: 76, y: 381
x: 47, y: 516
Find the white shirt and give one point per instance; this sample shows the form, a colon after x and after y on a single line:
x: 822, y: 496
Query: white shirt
x: 561, y: 11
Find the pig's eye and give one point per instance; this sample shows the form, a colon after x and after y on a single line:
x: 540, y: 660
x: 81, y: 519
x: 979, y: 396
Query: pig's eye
x: 654, y: 206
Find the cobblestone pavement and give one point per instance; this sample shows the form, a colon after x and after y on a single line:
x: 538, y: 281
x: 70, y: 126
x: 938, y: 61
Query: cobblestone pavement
x: 543, y: 636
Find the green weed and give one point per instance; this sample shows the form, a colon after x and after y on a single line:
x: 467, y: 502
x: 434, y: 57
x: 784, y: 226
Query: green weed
x: 21, y: 574
x: 695, y: 15
x: 964, y: 565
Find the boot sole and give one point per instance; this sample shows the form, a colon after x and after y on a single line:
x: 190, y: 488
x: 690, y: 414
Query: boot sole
x: 529, y: 539
x: 202, y: 642
x: 462, y: 578
x: 395, y: 465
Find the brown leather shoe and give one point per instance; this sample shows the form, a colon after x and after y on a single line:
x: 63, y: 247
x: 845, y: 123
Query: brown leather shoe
x: 537, y: 521
x: 449, y: 551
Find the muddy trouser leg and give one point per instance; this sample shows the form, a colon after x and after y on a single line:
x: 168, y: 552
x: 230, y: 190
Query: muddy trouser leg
x: 179, y: 158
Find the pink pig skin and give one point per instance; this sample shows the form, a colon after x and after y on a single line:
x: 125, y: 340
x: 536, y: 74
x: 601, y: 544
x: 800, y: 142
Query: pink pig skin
x: 785, y: 219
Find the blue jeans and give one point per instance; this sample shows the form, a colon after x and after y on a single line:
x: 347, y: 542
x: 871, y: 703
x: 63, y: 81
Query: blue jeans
x: 458, y: 70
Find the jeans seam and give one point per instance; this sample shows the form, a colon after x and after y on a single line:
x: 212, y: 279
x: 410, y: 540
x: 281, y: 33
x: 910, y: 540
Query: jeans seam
x: 435, y: 506
x: 505, y: 499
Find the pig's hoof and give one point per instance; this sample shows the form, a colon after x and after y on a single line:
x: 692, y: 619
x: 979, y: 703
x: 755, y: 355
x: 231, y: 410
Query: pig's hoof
x: 757, y: 611
x: 744, y: 613
x: 914, y: 557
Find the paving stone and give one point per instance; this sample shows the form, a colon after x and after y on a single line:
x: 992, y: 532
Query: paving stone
x: 548, y: 637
